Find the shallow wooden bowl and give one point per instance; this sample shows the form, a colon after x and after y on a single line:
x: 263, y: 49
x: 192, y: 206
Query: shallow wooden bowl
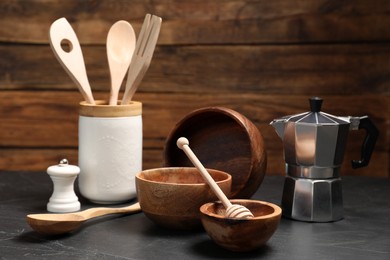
x: 171, y: 197
x: 241, y: 235
x: 222, y: 139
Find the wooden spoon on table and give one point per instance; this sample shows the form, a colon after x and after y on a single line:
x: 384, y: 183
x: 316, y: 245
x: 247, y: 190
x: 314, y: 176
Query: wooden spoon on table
x: 121, y: 42
x: 56, y: 224
x: 71, y: 59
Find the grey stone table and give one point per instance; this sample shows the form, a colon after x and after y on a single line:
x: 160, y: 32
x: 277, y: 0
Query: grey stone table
x: 364, y: 233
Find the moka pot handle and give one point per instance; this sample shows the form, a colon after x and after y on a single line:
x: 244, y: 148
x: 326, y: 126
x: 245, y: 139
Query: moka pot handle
x: 368, y: 143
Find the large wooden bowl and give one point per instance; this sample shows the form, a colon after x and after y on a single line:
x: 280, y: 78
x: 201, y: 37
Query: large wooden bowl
x: 171, y: 197
x: 222, y: 139
x: 241, y: 235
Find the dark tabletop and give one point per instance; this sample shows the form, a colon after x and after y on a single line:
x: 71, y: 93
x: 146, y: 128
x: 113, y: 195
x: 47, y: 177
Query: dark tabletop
x: 364, y: 233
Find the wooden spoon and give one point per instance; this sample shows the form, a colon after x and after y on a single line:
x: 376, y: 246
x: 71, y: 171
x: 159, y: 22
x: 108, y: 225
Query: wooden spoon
x: 60, y: 35
x: 121, y: 42
x: 56, y: 224
x: 232, y: 210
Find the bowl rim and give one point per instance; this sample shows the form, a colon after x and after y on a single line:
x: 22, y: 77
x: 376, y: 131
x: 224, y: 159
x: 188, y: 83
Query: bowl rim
x: 137, y: 176
x: 249, y: 184
x: 277, y: 210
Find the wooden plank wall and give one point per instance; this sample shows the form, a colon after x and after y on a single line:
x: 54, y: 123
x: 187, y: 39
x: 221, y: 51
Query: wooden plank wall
x: 261, y: 58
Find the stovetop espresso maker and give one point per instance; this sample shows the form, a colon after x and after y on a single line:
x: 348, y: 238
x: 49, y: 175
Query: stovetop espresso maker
x: 314, y: 144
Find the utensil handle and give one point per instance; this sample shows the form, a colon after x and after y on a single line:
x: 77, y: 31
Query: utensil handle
x: 132, y: 83
x: 183, y: 144
x: 98, y: 212
x: 368, y: 143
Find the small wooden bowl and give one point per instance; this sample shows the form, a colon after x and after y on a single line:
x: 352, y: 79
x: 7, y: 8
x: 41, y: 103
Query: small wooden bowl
x: 241, y: 235
x: 222, y: 139
x: 171, y: 197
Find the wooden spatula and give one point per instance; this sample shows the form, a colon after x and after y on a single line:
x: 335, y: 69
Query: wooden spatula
x: 62, y: 34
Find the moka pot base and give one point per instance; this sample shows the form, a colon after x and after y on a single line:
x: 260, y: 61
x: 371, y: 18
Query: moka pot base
x: 312, y: 200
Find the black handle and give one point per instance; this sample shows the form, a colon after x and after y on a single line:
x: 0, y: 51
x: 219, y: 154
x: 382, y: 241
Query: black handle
x: 368, y: 144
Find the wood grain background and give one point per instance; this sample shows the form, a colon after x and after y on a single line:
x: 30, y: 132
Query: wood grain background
x: 261, y: 58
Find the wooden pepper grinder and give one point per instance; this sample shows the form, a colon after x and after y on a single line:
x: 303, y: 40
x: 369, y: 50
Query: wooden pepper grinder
x: 63, y: 198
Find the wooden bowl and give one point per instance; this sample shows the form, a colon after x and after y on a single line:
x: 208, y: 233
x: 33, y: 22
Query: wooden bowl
x: 241, y: 235
x: 222, y: 139
x: 171, y: 197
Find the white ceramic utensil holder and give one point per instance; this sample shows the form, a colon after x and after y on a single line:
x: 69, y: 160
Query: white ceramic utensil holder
x: 110, y: 151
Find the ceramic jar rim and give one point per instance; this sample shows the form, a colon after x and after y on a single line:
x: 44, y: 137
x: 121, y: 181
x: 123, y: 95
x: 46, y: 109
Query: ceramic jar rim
x: 102, y: 109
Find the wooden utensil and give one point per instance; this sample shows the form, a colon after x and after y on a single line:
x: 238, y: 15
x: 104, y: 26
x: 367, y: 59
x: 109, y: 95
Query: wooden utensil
x: 143, y: 54
x: 232, y: 210
x: 61, y: 33
x: 121, y: 42
x: 55, y: 224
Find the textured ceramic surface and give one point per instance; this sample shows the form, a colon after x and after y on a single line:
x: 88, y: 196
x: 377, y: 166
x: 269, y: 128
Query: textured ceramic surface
x: 110, y: 155
x: 241, y: 234
x: 171, y: 197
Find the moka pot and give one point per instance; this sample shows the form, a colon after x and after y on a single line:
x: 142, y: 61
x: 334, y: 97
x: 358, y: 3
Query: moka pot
x: 314, y: 143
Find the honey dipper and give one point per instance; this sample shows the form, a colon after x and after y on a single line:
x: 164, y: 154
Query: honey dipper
x: 232, y: 210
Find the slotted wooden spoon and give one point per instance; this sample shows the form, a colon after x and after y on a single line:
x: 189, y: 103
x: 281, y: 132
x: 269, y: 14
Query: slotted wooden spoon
x: 56, y: 224
x: 61, y: 35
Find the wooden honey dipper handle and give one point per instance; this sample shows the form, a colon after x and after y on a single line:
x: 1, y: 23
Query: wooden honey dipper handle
x: 232, y: 210
x: 183, y: 144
